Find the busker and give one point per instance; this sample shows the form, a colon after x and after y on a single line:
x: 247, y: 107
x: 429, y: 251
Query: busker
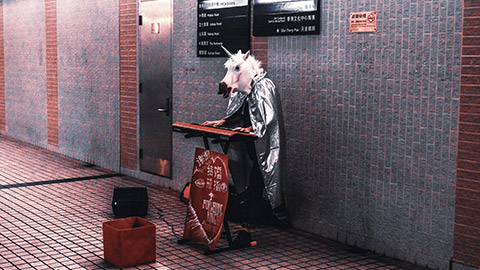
x: 256, y: 166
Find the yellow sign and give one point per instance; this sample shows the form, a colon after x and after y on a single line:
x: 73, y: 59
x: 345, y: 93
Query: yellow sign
x: 363, y: 22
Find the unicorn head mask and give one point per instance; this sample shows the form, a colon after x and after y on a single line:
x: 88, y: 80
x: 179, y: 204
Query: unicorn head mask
x: 241, y: 69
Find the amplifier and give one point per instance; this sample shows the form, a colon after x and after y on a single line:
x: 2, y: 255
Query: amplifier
x: 130, y: 201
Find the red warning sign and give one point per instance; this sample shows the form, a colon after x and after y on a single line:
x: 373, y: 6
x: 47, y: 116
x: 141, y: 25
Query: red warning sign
x: 363, y: 22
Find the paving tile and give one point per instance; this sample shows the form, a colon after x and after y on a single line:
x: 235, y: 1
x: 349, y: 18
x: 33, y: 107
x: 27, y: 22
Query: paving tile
x: 58, y: 225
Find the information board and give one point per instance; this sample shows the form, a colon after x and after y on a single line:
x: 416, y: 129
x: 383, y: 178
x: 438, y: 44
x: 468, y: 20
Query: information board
x: 286, y: 17
x: 363, y: 22
x: 222, y: 22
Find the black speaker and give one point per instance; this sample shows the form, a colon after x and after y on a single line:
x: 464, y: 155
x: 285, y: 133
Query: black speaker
x: 130, y: 201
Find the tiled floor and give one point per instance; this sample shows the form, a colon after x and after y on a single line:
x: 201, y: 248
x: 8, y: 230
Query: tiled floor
x: 52, y: 209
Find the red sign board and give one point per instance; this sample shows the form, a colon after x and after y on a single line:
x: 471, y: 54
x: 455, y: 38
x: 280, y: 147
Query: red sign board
x: 363, y: 22
x: 208, y: 198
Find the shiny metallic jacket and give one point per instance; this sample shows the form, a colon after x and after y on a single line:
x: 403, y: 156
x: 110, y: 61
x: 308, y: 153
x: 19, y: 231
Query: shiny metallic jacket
x: 265, y: 111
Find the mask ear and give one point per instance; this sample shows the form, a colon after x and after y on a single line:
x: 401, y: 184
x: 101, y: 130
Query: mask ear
x: 247, y: 54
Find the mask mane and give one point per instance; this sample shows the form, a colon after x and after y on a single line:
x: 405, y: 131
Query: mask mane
x: 249, y: 63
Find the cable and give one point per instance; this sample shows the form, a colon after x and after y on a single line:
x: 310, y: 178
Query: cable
x: 161, y: 217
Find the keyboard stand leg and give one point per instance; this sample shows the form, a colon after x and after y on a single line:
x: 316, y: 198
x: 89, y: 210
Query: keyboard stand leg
x: 205, y: 141
x: 225, y: 147
x: 227, y: 231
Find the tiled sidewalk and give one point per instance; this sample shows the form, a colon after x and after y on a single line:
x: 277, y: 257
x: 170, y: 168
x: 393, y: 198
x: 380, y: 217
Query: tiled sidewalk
x: 52, y: 208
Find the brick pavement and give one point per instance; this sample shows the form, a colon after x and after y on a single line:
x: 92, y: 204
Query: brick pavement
x: 52, y: 208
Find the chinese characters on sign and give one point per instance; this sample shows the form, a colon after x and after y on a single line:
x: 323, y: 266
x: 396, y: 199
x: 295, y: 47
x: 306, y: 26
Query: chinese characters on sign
x: 287, y: 17
x: 208, y: 198
x: 222, y: 22
x: 363, y: 22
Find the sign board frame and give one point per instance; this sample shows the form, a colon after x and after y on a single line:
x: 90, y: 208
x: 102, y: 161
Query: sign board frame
x: 286, y: 17
x: 222, y: 23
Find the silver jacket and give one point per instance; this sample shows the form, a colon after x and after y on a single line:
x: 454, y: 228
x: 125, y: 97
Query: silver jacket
x: 265, y: 112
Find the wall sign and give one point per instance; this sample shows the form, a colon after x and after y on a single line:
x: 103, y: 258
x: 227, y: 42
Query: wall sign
x: 287, y: 17
x: 222, y: 22
x: 363, y: 22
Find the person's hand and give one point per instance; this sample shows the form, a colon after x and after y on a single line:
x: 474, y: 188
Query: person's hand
x: 247, y: 129
x: 214, y: 123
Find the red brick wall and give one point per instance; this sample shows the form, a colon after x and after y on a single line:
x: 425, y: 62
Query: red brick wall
x: 52, y: 71
x: 128, y: 84
x: 259, y: 45
x: 2, y: 73
x: 467, y: 203
x: 260, y: 50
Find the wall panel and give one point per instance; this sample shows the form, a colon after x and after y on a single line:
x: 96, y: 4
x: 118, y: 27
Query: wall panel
x: 88, y: 81
x: 25, y: 76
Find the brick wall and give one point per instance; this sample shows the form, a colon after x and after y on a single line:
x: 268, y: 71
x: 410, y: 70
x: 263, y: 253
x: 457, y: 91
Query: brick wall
x: 195, y: 84
x: 372, y: 118
x: 467, y: 201
x: 61, y: 77
x: 372, y: 126
x: 371, y: 122
x: 2, y: 72
x: 128, y: 84
x: 51, y: 65
x: 259, y: 45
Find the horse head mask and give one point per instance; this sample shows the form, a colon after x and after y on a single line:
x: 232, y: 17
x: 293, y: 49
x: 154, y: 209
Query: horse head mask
x: 241, y: 69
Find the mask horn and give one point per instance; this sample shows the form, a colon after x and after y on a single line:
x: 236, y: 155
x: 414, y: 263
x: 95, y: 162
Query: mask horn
x: 228, y: 53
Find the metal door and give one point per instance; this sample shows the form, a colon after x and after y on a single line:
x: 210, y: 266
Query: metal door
x: 155, y: 86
